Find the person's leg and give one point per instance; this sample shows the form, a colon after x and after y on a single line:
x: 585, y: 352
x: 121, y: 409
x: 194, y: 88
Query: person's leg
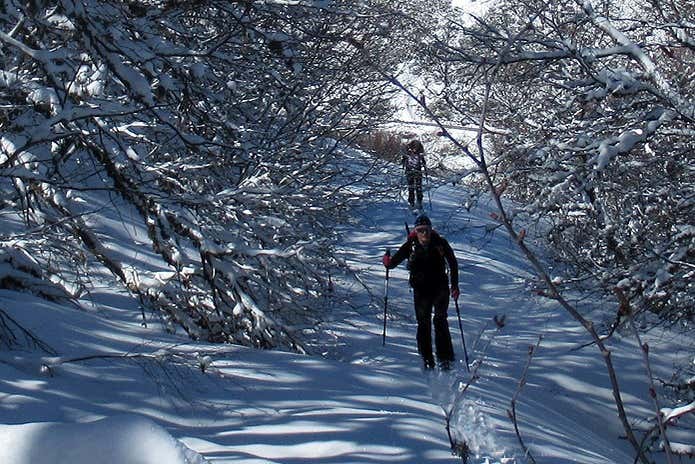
x: 423, y: 314
x: 418, y: 188
x: 442, y: 336
x: 411, y: 189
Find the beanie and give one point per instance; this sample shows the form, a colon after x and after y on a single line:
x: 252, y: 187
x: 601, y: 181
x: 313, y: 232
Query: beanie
x: 423, y: 220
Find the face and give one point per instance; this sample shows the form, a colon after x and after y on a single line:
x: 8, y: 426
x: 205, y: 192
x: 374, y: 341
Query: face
x: 423, y: 234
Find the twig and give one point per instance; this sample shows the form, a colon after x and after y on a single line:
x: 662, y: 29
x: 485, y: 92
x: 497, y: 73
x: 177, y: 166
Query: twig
x: 512, y: 413
x: 650, y: 377
x: 8, y: 337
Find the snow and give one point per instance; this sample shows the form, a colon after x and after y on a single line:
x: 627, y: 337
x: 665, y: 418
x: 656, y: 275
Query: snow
x: 672, y: 414
x: 474, y: 7
x: 117, y: 440
x: 117, y: 390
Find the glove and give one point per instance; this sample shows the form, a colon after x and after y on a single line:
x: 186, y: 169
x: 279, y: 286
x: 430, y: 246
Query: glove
x: 386, y: 260
x: 455, y: 293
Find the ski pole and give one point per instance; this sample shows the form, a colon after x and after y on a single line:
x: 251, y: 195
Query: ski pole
x: 403, y: 182
x: 429, y: 187
x: 465, y: 352
x: 386, y: 299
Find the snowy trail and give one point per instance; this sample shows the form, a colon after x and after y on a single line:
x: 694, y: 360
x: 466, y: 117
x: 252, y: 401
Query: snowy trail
x: 493, y: 283
x: 352, y: 400
x: 384, y: 228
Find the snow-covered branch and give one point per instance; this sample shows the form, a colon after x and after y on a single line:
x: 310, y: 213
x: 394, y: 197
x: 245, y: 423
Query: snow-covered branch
x: 208, y: 122
x: 680, y: 104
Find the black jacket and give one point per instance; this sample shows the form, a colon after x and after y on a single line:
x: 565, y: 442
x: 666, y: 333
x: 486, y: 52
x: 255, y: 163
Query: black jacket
x: 427, y: 266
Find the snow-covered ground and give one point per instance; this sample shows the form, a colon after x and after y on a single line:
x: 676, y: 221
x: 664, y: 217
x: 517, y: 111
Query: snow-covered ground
x: 118, y: 391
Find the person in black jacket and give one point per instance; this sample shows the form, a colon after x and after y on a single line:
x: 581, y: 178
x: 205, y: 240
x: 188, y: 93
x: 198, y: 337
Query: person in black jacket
x: 428, y: 254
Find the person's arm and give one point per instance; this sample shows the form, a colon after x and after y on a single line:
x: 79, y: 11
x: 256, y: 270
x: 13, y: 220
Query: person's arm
x: 453, y: 265
x: 400, y: 256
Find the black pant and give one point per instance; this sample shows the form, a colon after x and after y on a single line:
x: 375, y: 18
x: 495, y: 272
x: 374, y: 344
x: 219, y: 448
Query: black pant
x: 425, y: 300
x: 414, y: 187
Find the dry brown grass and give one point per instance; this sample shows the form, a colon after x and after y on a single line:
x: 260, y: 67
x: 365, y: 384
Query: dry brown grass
x: 384, y: 144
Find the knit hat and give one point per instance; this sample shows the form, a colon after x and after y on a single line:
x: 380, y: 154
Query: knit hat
x: 423, y: 220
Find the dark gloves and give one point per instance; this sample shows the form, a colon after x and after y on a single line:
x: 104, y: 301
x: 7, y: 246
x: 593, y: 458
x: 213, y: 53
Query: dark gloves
x: 455, y: 293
